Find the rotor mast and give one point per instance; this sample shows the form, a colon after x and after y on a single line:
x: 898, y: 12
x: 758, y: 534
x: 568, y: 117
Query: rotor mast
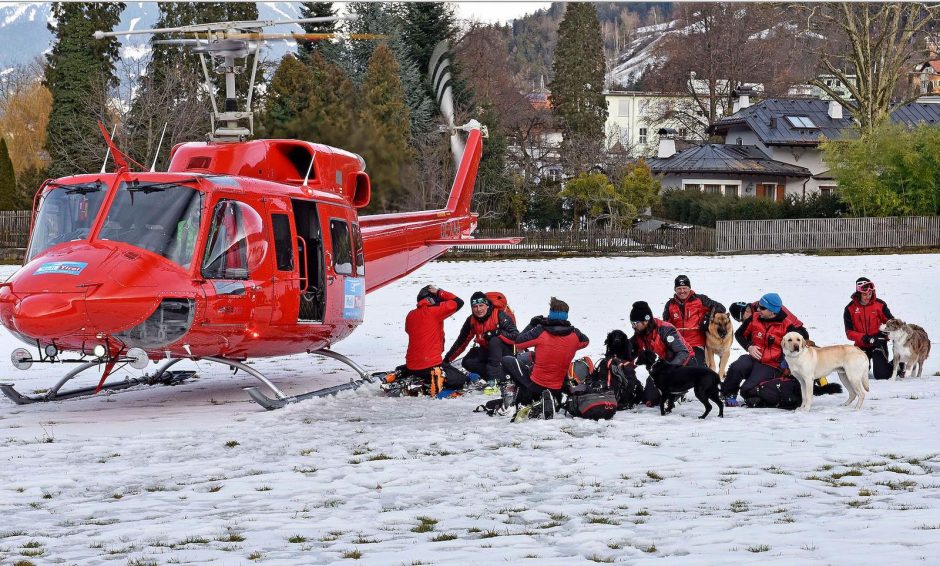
x: 227, y: 42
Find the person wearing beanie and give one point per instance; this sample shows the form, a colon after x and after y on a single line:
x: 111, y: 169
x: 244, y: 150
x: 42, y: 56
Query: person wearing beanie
x: 863, y: 317
x: 654, y: 338
x: 761, y: 336
x: 690, y: 313
x: 540, y: 376
x: 492, y: 330
x: 425, y: 328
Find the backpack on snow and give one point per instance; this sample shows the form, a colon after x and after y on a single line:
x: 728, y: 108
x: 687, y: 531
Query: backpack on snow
x: 621, y: 378
x: 589, y: 395
x: 776, y: 393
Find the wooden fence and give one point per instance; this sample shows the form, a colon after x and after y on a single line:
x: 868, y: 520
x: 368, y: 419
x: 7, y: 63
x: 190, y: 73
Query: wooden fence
x: 827, y: 234
x: 597, y: 241
x: 14, y: 228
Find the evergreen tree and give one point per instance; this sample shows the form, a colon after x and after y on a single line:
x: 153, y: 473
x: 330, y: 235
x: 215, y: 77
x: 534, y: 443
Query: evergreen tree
x: 577, y: 95
x: 330, y: 113
x: 77, y: 63
x: 384, y: 141
x: 288, y: 96
x: 8, y: 199
x: 329, y: 49
x: 378, y: 18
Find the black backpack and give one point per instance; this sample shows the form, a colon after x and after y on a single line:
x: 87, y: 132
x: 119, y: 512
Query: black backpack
x: 593, y: 397
x: 621, y: 378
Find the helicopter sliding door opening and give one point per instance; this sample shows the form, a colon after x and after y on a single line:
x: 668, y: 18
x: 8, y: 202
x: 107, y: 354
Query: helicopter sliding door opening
x: 310, y: 260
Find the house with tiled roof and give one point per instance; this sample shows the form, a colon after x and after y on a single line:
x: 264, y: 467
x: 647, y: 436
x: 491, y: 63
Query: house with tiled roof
x: 779, y: 140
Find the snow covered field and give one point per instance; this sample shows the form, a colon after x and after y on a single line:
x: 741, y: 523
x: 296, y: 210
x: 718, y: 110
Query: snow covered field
x: 196, y: 474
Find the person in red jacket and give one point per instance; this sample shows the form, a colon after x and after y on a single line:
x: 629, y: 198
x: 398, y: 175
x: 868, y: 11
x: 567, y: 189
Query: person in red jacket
x: 494, y: 333
x: 690, y: 313
x: 654, y: 338
x: 761, y: 336
x: 863, y: 318
x: 425, y: 328
x: 540, y: 376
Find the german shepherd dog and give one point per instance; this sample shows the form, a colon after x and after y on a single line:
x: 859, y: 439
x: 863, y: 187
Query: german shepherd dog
x: 674, y: 380
x: 718, y: 339
x: 910, y: 344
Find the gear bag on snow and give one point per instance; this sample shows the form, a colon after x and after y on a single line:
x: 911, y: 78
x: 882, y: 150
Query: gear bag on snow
x: 621, y: 378
x: 776, y: 393
x: 590, y: 396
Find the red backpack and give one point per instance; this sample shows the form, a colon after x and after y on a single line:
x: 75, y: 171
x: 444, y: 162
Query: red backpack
x: 499, y: 302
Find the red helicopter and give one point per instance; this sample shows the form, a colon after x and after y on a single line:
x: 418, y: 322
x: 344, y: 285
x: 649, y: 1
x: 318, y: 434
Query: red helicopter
x: 241, y: 249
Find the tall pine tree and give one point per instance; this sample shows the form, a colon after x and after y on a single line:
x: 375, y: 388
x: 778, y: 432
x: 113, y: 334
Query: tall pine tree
x: 384, y: 142
x: 8, y: 197
x: 328, y: 48
x: 288, y: 95
x: 77, y: 64
x: 577, y: 90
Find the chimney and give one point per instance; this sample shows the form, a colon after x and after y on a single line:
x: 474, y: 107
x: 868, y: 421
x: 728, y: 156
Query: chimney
x: 835, y: 110
x: 667, y: 143
x: 742, y: 99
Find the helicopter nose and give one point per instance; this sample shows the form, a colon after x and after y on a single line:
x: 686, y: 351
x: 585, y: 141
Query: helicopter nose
x: 50, y: 315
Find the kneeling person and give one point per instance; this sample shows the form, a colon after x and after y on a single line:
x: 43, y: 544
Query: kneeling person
x: 425, y: 328
x: 555, y: 341
x: 493, y: 331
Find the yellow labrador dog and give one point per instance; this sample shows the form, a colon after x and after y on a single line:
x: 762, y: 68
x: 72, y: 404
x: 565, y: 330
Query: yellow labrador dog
x: 808, y: 363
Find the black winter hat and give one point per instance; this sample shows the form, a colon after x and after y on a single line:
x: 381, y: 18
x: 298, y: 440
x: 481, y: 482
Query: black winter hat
x: 683, y: 281
x: 641, y: 312
x: 474, y: 298
x: 737, y: 310
x: 862, y: 280
x: 425, y: 293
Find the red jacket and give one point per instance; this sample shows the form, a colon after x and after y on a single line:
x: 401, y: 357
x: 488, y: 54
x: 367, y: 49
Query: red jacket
x: 864, y: 319
x: 495, y: 323
x: 664, y: 340
x: 556, y: 343
x: 687, y: 317
x: 425, y: 328
x: 767, y: 334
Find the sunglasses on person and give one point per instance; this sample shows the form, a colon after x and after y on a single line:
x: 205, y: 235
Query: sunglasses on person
x: 865, y: 286
x: 476, y: 302
x: 763, y: 308
x: 635, y: 323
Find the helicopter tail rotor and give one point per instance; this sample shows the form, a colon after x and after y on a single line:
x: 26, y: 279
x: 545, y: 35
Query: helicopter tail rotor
x: 439, y: 71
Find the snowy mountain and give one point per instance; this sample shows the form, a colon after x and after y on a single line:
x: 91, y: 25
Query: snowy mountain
x: 24, y: 25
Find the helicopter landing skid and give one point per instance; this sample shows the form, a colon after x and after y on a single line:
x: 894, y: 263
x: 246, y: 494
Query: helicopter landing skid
x: 281, y: 400
x: 160, y: 377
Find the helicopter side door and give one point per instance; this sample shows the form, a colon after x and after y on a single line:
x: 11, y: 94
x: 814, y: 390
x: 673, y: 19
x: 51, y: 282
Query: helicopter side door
x: 286, y: 281
x: 309, y: 270
x: 236, y: 276
x: 345, y: 279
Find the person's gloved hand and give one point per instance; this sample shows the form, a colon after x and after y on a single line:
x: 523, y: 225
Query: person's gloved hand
x: 704, y: 324
x: 536, y: 320
x: 869, y: 339
x: 645, y: 358
x: 491, y: 334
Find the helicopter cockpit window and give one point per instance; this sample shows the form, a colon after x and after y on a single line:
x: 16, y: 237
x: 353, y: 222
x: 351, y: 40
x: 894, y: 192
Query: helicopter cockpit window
x: 159, y: 217
x: 66, y: 213
x: 237, y: 243
x: 342, y: 250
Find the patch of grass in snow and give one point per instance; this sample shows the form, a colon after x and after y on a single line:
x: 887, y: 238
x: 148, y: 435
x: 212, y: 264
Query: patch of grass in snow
x: 509, y: 510
x: 825, y: 467
x: 23, y: 563
x: 305, y: 469
x: 231, y: 444
x: 215, y: 487
x: 602, y: 520
x: 599, y: 558
x: 231, y: 535
x: 331, y: 503
x: 614, y: 545
x: 809, y: 547
x: 642, y: 513
x: 255, y: 555
x: 858, y: 503
x: 17, y: 533
x: 331, y: 536
x: 155, y: 488
x: 193, y: 540
x: 759, y: 548
x: 868, y: 464
x: 118, y: 495
x: 491, y: 533
x: 907, y: 485
x: 443, y: 537
x: 426, y: 524
x: 739, y: 506
x: 654, y: 476
x: 926, y: 527
x: 308, y: 451
x: 33, y: 544
x: 263, y: 488
x: 46, y: 495
x: 377, y: 457
x: 865, y: 492
x: 550, y: 525
x: 786, y: 519
x: 558, y: 516
x: 353, y: 554
x: 649, y: 443
x: 297, y: 539
x: 853, y: 472
x: 362, y: 539
x: 897, y: 470
x: 649, y: 549
x: 141, y: 562
x: 776, y: 470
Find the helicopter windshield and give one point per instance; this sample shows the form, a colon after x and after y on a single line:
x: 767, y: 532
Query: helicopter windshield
x: 66, y: 213
x: 160, y: 217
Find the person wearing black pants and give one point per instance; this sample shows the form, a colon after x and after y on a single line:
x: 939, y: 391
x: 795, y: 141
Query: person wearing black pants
x: 863, y: 317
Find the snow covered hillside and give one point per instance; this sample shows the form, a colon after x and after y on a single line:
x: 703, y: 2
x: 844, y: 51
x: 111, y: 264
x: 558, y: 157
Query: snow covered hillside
x: 196, y: 474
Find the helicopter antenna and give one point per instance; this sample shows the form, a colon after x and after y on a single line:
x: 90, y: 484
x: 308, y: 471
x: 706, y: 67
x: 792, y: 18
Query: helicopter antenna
x: 108, y: 153
x: 159, y: 145
x: 228, y: 46
x: 309, y: 168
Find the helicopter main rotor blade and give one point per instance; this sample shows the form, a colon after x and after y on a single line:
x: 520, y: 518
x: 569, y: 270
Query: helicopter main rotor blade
x: 223, y: 26
x: 306, y: 36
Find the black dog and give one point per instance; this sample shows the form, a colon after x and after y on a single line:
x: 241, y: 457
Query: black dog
x: 618, y: 345
x: 672, y: 379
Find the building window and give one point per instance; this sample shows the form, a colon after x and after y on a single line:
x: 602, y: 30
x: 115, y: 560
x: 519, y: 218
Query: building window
x: 827, y: 190
x: 739, y: 141
x: 642, y: 136
x: 692, y: 187
x: 713, y: 189
x: 683, y: 133
x: 623, y: 108
x: 554, y: 175
x: 731, y: 190
x: 801, y: 122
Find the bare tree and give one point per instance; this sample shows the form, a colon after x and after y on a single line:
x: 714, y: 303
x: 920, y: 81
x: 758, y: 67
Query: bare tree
x: 876, y: 45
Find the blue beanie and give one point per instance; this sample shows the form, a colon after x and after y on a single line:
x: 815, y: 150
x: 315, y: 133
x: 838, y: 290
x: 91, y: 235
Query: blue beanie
x: 771, y: 302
